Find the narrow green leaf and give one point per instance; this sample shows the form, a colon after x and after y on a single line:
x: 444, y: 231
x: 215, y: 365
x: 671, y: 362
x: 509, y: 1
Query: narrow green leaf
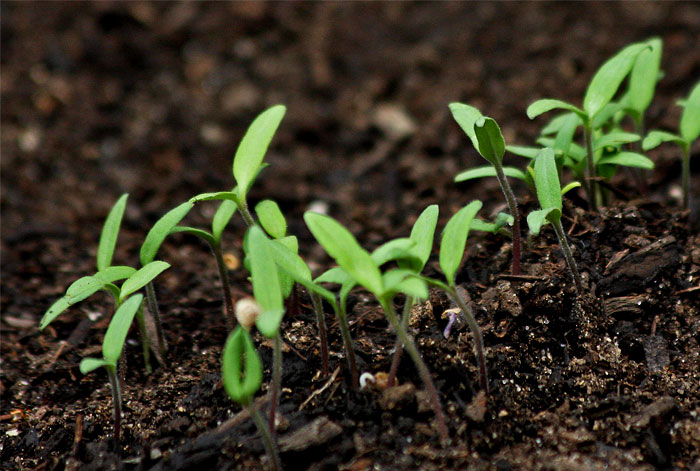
x: 565, y: 134
x: 405, y: 282
x: 83, y: 288
x: 241, y: 367
x: 502, y: 219
x: 142, y: 277
x: 608, y: 78
x: 523, y: 151
x: 492, y: 146
x: 160, y: 230
x: 454, y: 240
x: 628, y: 159
x: 548, y: 104
x: 221, y: 218
x: 271, y: 218
x: 607, y: 113
x: 614, y: 139
x: 110, y: 233
x: 266, y: 282
x: 340, y: 244
x: 536, y: 219
x: 396, y: 249
x: 217, y: 195
x: 60, y: 305
x: 690, y: 119
x: 116, y: 273
x: 556, y: 123
x: 644, y: 76
x: 253, y: 146
x: 466, y: 116
x: 118, y: 328
x: 423, y: 235
x: 570, y: 186
x: 195, y: 232
x: 576, y: 152
x: 654, y: 138
x: 90, y: 364
x: 547, y: 180
x: 488, y: 171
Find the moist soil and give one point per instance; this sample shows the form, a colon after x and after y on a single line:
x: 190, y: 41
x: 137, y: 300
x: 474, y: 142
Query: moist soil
x: 104, y: 98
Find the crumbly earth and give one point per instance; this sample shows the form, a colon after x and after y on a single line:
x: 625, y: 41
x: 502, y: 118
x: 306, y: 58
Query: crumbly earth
x: 151, y: 99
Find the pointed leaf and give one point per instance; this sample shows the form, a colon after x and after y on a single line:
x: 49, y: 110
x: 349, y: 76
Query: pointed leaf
x: 466, y: 116
x: 118, y: 328
x: 609, y: 76
x: 90, y: 364
x: 116, y: 273
x: 141, y: 278
x: 614, y: 139
x: 454, y: 240
x: 334, y: 275
x: 423, y: 234
x: 221, y: 218
x: 241, y: 367
x: 523, y: 151
x: 608, y: 113
x: 628, y: 159
x: 271, y: 218
x: 266, y: 282
x: 60, y: 305
x: 160, y: 231
x: 110, y: 233
x: 396, y: 249
x: 547, y: 180
x: 217, y: 195
x: 195, y: 232
x: 253, y: 146
x: 405, y: 282
x: 556, y: 123
x: 340, y: 244
x: 492, y: 146
x: 547, y: 104
x: 690, y: 119
x: 565, y: 134
x: 489, y: 171
x: 644, y: 76
x: 83, y: 288
x: 570, y: 186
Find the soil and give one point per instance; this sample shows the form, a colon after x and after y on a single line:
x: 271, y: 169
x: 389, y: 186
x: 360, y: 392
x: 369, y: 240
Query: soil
x: 104, y: 98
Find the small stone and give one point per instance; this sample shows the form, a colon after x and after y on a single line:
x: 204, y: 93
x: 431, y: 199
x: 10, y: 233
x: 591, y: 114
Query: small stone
x: 393, y: 121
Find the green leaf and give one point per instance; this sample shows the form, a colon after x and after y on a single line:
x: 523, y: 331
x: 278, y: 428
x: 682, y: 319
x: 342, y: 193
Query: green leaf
x: 536, y: 219
x: 340, y: 244
x: 118, y: 328
x: 493, y: 227
x: 60, y: 305
x: 241, y: 367
x: 253, y: 146
x: 608, y: 78
x: 217, y: 195
x: 488, y: 171
x: 570, y: 186
x: 396, y: 249
x: 547, y: 180
x: 523, y: 151
x: 334, y: 275
x: 160, y: 231
x: 556, y: 124
x: 547, y: 104
x: 565, y: 134
x: 406, y: 282
x: 83, y: 288
x: 492, y: 146
x: 614, y: 139
x: 271, y: 218
x: 288, y: 260
x: 221, y: 218
x: 195, y: 232
x: 423, y: 235
x: 628, y: 159
x: 607, y: 113
x: 266, y: 282
x: 454, y: 239
x: 90, y: 364
x: 466, y: 116
x: 575, y: 152
x: 654, y: 138
x: 643, y: 78
x: 116, y: 273
x: 142, y: 277
x: 110, y: 233
x: 690, y: 119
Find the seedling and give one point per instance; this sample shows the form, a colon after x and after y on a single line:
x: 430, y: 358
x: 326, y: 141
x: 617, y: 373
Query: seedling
x: 689, y: 131
x: 112, y: 347
x: 357, y: 263
x: 107, y: 275
x: 600, y: 92
x: 549, y: 196
x: 488, y: 141
x: 241, y: 374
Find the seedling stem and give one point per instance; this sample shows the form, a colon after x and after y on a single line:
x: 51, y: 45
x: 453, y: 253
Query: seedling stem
x: 276, y: 380
x: 225, y: 284
x: 398, y: 347
x: 320, y: 319
x: 513, y: 207
x: 155, y: 312
x: 268, y: 441
x: 591, y: 188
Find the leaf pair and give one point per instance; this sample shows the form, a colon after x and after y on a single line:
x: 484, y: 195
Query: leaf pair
x: 241, y: 367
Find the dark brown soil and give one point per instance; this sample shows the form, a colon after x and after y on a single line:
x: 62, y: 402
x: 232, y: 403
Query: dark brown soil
x: 104, y: 98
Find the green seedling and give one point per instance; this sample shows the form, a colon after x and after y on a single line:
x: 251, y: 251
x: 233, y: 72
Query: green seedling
x: 241, y: 374
x: 689, y: 131
x: 487, y: 139
x: 357, y: 263
x: 498, y: 226
x: 600, y: 92
x: 549, y: 196
x: 112, y: 347
x: 106, y: 276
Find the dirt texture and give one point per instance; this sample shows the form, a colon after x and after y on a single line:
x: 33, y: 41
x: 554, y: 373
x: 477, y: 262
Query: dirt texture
x: 103, y: 98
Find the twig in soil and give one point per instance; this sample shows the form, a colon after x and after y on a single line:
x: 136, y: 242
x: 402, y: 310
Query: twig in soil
x: 320, y: 391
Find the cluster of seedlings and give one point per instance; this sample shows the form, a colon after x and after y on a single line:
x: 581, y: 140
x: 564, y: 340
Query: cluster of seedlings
x: 396, y: 267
